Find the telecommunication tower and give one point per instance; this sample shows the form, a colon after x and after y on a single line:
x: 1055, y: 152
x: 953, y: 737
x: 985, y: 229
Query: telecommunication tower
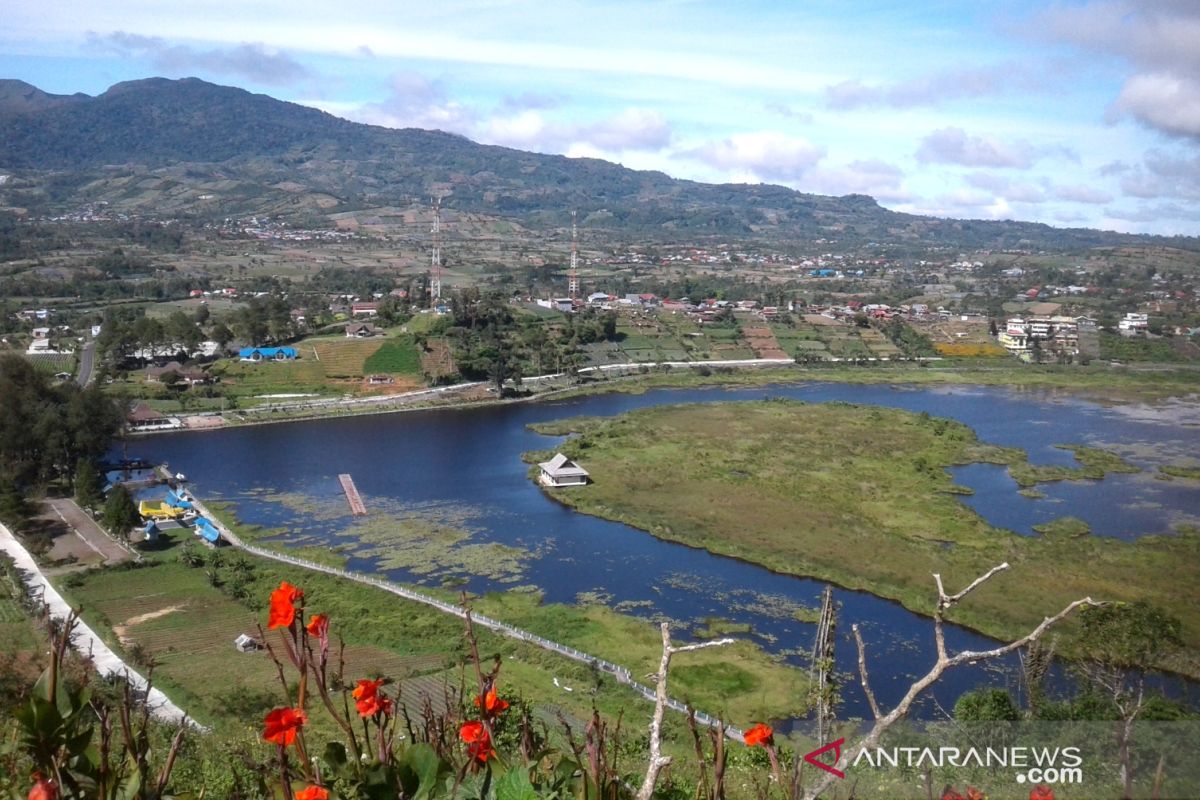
x: 435, y: 278
x: 573, y: 274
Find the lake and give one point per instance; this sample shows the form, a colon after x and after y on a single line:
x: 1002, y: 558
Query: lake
x: 451, y: 502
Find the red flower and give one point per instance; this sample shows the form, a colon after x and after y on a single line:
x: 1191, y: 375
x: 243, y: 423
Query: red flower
x: 1041, y: 792
x: 318, y: 626
x: 491, y: 704
x: 42, y: 789
x: 975, y: 794
x: 949, y: 793
x: 281, y: 724
x: 367, y: 698
x: 283, y: 609
x: 760, y: 734
x: 479, y: 743
x: 313, y: 793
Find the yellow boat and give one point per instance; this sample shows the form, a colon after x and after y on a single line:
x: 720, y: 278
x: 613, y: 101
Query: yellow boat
x: 159, y: 510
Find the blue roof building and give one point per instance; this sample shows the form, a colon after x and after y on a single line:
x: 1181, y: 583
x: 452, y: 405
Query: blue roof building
x: 267, y: 353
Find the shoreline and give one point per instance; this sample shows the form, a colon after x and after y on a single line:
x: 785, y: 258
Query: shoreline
x: 734, y: 374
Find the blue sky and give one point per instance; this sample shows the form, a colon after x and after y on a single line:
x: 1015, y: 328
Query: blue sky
x: 1073, y: 113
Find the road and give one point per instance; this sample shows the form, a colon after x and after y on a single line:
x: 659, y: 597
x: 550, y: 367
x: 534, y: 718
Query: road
x: 86, y: 529
x: 87, y: 358
x: 84, y: 639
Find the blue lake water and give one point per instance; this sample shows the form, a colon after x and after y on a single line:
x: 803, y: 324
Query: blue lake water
x: 470, y: 460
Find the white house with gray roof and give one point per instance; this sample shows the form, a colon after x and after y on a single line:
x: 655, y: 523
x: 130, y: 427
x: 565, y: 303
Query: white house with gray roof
x: 562, y: 471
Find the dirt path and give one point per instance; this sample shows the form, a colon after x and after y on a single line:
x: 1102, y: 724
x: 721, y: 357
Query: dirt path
x: 85, y: 529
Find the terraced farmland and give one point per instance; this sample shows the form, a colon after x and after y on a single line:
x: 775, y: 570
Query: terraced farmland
x: 344, y: 358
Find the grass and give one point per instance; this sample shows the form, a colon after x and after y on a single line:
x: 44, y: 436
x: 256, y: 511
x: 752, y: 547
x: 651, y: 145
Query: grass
x: 860, y: 497
x: 187, y: 621
x: 396, y: 356
x: 342, y: 357
x: 1180, y: 471
x: 1099, y: 383
x: 1094, y: 464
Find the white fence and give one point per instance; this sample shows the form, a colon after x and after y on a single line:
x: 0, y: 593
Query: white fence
x: 619, y: 672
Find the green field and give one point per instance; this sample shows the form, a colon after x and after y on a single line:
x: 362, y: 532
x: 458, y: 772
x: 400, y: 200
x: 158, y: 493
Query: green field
x: 397, y: 356
x: 859, y: 496
x: 174, y: 613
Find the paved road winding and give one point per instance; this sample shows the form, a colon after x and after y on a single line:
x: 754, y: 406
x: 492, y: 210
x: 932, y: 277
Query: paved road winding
x: 84, y: 639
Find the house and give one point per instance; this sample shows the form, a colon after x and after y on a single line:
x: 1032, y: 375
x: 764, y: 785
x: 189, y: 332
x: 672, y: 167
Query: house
x: 145, y: 418
x: 562, y: 471
x: 189, y: 375
x: 267, y: 354
x: 364, y: 309
x: 361, y: 330
x: 1133, y: 324
x: 245, y: 644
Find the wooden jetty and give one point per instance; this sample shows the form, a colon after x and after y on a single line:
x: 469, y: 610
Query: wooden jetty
x: 352, y: 496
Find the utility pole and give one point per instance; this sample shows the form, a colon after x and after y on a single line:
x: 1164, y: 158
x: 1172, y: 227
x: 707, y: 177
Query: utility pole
x: 435, y: 277
x: 573, y: 274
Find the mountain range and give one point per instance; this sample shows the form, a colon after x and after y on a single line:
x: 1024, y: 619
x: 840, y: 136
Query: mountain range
x: 189, y: 148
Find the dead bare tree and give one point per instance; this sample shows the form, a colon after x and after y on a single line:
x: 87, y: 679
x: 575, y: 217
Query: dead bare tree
x: 657, y: 760
x: 944, y: 662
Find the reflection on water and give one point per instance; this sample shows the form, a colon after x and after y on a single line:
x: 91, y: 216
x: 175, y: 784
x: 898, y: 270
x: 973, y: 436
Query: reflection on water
x: 469, y: 459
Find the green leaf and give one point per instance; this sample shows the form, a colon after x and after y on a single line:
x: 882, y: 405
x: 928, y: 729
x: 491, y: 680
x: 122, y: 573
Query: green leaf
x: 515, y: 785
x: 426, y: 766
x: 42, y: 687
x: 335, y: 757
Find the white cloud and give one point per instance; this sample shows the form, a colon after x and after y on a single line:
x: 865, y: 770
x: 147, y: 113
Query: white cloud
x: 1161, y: 41
x: 761, y: 156
x: 1162, y: 100
x: 880, y: 179
x: 936, y: 88
x: 1082, y: 194
x: 250, y: 60
x: 954, y: 146
x: 1163, y: 175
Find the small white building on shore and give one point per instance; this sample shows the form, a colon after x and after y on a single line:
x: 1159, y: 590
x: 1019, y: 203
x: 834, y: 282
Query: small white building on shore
x: 562, y: 471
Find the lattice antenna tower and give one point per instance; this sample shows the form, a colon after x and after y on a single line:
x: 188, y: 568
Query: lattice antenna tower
x: 435, y: 259
x: 573, y: 274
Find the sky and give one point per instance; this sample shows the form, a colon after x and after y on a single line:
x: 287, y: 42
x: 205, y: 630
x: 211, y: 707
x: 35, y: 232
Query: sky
x: 1076, y: 113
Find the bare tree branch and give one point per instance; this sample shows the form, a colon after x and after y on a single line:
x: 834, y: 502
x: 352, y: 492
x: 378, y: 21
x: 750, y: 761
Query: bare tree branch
x: 862, y: 672
x: 657, y: 759
x: 690, y: 647
x: 945, y: 602
x: 944, y: 661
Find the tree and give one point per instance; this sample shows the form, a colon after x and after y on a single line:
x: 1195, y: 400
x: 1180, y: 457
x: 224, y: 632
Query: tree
x: 221, y: 334
x: 986, y: 705
x: 120, y: 513
x: 1121, y: 641
x: 89, y: 488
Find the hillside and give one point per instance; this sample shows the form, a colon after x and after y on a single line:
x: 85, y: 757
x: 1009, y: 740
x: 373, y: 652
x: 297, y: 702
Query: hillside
x: 191, y: 148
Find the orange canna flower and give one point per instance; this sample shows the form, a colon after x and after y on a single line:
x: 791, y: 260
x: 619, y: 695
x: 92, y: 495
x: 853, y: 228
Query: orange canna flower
x: 43, y: 789
x: 283, y: 608
x: 1041, y: 792
x: 368, y: 700
x: 491, y: 705
x: 950, y: 793
x: 318, y: 626
x: 312, y: 793
x: 975, y: 794
x: 281, y: 725
x: 759, y: 734
x: 479, y: 743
